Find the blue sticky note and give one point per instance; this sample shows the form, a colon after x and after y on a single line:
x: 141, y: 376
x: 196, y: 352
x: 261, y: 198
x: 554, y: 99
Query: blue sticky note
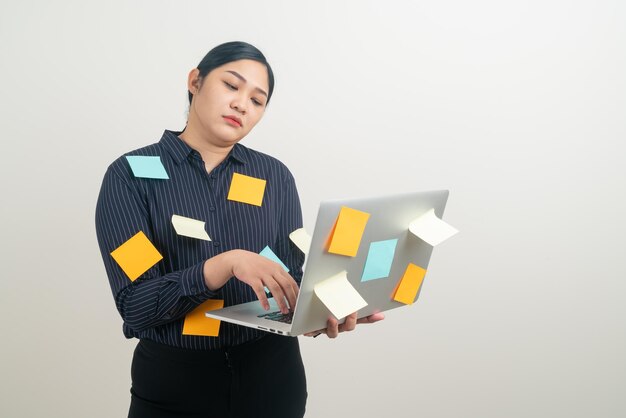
x: 379, y: 260
x: 268, y: 253
x: 148, y: 167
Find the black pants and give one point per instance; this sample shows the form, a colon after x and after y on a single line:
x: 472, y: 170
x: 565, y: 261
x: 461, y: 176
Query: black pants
x: 263, y: 378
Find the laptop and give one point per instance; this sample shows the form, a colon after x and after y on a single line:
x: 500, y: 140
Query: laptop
x: 390, y: 217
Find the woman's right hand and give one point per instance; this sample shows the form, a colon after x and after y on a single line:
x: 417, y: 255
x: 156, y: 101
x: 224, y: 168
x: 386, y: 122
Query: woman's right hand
x: 256, y: 271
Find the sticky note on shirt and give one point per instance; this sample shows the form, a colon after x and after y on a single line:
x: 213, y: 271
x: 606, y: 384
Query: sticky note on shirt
x: 246, y: 189
x: 379, y: 260
x: 196, y: 322
x: 149, y: 167
x: 409, y: 284
x: 136, y: 255
x: 189, y: 227
x: 268, y: 253
x: 339, y: 296
x: 347, y: 232
x: 302, y: 240
x: 431, y: 229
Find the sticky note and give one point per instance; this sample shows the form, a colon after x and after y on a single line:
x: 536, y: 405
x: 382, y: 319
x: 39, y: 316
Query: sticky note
x: 196, y: 322
x: 347, y: 232
x: 379, y: 260
x: 339, y: 296
x: 136, y: 255
x: 302, y: 240
x: 431, y: 229
x: 149, y: 167
x: 189, y: 227
x: 246, y: 189
x: 409, y: 284
x: 268, y: 253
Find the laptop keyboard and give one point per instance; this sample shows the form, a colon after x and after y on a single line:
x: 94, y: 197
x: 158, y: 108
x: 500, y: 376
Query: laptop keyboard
x: 278, y: 316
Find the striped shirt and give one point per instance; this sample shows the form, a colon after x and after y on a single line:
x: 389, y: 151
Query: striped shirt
x: 154, y: 305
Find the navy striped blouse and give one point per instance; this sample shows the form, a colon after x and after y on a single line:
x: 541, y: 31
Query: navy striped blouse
x: 154, y: 305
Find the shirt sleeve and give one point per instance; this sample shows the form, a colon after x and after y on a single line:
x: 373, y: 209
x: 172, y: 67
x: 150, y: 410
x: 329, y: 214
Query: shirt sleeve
x: 155, y: 297
x: 290, y: 220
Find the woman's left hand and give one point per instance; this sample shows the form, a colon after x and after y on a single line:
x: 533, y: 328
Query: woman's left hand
x: 333, y: 328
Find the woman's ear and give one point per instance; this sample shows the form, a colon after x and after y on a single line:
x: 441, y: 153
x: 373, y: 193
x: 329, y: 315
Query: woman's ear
x: 193, y: 81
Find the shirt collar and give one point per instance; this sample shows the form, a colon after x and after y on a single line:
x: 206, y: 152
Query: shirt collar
x: 179, y: 150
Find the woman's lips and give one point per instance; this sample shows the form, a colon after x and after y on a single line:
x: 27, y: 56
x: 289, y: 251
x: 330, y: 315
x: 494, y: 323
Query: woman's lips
x: 232, y: 121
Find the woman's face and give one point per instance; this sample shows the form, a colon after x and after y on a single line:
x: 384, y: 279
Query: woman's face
x: 229, y: 101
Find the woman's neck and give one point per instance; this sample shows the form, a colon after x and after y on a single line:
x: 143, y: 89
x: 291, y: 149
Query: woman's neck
x: 211, y: 154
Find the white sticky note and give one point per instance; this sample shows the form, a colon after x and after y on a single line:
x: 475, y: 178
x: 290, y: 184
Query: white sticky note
x: 339, y: 296
x: 301, y: 239
x: 189, y: 227
x: 431, y: 229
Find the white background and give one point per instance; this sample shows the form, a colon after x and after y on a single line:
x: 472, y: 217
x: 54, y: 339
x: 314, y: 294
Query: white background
x: 517, y: 107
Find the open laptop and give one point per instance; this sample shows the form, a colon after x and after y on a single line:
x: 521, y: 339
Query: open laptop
x: 390, y: 217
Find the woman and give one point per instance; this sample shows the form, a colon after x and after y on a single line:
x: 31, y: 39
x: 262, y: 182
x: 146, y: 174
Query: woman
x: 177, y: 370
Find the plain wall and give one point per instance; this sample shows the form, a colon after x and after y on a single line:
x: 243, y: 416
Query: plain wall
x: 517, y: 107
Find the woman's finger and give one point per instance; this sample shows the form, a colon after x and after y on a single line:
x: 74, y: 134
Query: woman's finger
x: 332, y: 329
x: 350, y: 323
x: 379, y: 316
x: 277, y: 293
x: 261, y: 295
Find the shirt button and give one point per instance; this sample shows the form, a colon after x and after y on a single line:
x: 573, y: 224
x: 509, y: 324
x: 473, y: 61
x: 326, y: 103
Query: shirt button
x: 213, y: 176
x: 194, y: 289
x: 216, y: 243
x: 212, y: 208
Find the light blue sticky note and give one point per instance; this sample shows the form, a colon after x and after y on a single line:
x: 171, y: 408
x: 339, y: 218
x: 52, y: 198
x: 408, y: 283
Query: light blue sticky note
x: 268, y: 253
x: 147, y: 167
x: 379, y: 260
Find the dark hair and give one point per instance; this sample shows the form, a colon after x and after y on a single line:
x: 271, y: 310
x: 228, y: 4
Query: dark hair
x: 233, y: 51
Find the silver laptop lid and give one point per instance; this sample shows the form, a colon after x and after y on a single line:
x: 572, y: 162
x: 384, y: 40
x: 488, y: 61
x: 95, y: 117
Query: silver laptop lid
x: 390, y: 217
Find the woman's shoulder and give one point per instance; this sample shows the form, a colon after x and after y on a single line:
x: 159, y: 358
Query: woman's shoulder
x: 263, y: 160
x: 122, y: 166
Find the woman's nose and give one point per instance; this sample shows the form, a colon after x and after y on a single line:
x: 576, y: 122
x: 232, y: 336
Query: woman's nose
x: 237, y: 104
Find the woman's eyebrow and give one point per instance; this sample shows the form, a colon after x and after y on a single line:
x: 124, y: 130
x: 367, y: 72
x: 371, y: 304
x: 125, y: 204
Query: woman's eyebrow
x: 239, y: 76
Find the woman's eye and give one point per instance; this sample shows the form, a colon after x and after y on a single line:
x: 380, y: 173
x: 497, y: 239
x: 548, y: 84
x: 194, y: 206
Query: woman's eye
x: 256, y: 102
x: 230, y: 86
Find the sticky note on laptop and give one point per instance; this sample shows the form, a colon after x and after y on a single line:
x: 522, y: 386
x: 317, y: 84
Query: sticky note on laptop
x: 379, y: 260
x: 189, y: 227
x: 347, y: 232
x: 409, y: 284
x: 136, y: 255
x: 339, y: 296
x: 246, y: 189
x: 146, y: 166
x: 302, y: 240
x: 431, y: 229
x: 196, y: 322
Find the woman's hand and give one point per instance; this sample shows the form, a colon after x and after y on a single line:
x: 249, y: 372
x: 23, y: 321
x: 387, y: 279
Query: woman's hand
x: 258, y: 271
x: 333, y: 328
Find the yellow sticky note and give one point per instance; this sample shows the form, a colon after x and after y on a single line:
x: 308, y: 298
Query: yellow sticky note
x: 347, y: 232
x: 407, y: 288
x: 246, y: 189
x: 196, y: 322
x: 136, y: 255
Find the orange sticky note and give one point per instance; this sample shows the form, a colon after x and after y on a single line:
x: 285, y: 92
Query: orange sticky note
x: 136, y: 255
x: 196, y: 323
x: 246, y: 189
x: 407, y: 288
x: 347, y: 231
